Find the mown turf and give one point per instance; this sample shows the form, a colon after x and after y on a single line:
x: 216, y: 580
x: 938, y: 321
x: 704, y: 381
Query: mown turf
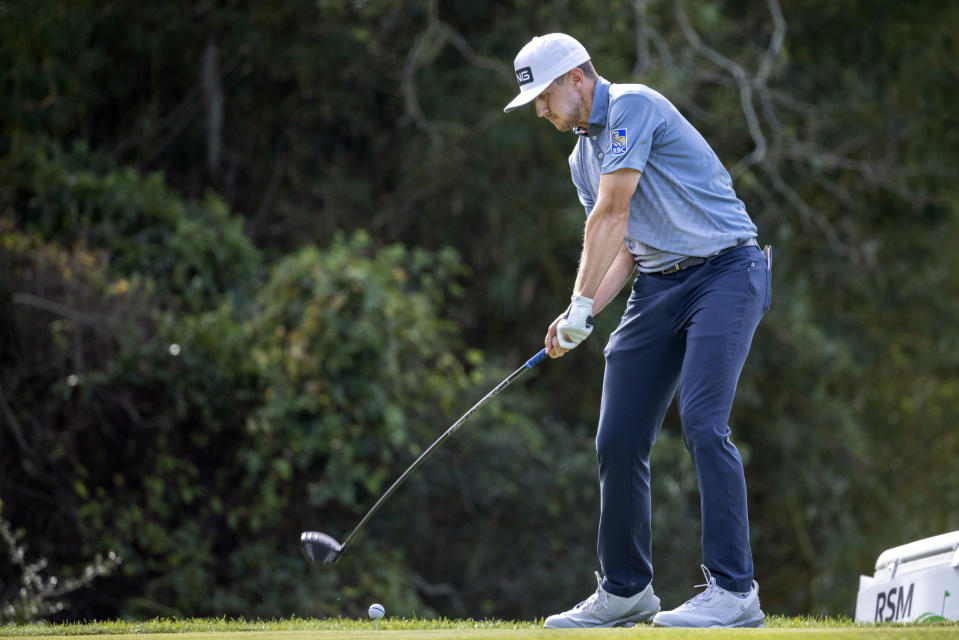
x: 441, y: 629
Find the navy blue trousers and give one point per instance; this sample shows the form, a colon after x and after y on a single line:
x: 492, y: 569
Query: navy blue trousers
x: 688, y: 331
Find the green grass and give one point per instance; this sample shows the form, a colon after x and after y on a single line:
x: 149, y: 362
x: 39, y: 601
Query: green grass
x: 437, y: 629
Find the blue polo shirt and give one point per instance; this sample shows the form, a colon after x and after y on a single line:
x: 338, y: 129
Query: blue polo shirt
x: 684, y: 204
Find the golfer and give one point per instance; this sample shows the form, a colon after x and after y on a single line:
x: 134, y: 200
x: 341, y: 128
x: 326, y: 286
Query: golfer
x: 656, y: 198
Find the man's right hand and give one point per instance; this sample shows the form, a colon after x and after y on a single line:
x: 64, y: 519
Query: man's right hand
x: 553, y: 348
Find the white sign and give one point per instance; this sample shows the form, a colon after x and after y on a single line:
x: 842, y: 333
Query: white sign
x: 915, y: 582
x: 922, y: 596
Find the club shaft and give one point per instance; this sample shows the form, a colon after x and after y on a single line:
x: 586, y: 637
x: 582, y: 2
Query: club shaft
x: 456, y: 425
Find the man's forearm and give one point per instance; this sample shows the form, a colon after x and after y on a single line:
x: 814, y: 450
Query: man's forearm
x: 617, y: 275
x: 602, y: 242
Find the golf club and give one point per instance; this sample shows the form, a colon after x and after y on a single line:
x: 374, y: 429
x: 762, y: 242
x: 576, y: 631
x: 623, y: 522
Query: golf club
x: 320, y: 548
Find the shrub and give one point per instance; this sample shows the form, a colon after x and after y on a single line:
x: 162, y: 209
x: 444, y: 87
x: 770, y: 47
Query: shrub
x: 192, y: 251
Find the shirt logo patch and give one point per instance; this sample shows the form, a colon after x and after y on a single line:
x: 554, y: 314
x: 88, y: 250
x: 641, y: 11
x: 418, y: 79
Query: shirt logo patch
x: 524, y: 76
x: 618, y: 139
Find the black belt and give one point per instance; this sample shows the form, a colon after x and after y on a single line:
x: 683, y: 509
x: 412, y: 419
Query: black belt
x: 695, y: 262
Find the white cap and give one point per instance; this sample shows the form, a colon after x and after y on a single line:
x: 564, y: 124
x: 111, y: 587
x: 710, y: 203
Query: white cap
x: 542, y: 60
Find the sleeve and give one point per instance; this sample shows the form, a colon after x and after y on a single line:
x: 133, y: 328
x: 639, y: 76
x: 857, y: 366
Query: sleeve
x: 634, y: 125
x: 585, y: 197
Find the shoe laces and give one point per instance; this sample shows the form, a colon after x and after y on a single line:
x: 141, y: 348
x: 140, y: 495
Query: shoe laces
x: 598, y: 600
x: 711, y: 588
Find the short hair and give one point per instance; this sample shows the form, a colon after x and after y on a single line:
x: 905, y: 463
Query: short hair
x: 589, y: 72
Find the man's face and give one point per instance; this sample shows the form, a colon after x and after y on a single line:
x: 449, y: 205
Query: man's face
x: 562, y: 105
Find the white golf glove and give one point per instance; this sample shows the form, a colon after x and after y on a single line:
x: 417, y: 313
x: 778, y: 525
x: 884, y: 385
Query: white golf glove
x: 577, y: 324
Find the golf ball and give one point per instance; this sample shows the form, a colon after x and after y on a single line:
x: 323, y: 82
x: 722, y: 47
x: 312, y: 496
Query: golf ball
x: 377, y: 611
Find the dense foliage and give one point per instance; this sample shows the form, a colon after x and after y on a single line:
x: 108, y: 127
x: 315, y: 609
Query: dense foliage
x: 254, y: 258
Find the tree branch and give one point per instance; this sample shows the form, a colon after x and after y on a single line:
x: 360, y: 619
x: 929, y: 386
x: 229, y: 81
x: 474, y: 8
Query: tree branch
x: 425, y: 49
x: 92, y: 320
x: 13, y: 422
x: 745, y: 90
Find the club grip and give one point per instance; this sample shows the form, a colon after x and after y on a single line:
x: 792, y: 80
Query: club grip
x: 535, y: 360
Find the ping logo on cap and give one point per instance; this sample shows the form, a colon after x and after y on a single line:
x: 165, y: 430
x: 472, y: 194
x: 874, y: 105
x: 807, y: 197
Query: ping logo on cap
x: 524, y: 75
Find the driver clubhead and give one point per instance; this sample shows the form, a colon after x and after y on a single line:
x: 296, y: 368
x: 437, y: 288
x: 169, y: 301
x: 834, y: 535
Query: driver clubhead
x: 320, y: 548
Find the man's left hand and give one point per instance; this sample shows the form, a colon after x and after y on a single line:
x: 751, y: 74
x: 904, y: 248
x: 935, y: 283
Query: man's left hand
x: 577, y: 324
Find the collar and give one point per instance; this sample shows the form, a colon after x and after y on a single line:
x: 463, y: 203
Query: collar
x: 600, y: 111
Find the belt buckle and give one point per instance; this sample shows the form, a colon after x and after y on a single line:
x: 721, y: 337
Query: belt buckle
x: 673, y: 269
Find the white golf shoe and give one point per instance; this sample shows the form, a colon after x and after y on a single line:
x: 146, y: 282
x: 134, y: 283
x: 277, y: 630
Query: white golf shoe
x: 715, y: 607
x: 603, y: 609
